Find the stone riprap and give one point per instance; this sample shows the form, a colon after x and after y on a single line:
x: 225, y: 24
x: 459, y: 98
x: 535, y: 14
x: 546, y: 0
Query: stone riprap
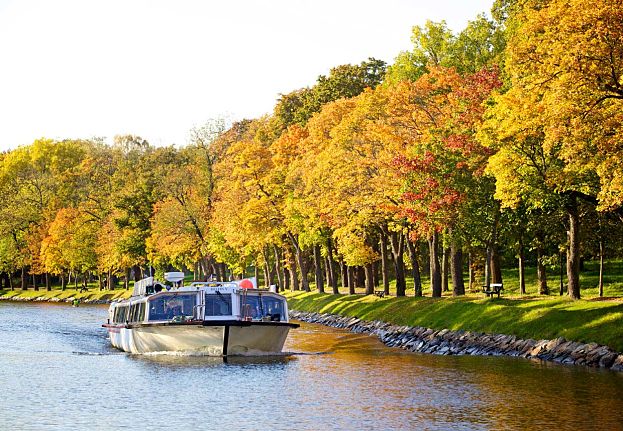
x: 446, y: 342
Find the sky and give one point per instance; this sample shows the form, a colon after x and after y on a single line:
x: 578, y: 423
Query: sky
x: 156, y: 68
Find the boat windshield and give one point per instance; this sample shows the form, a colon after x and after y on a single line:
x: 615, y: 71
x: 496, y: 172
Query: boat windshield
x: 169, y: 306
x: 259, y: 307
x: 217, y: 304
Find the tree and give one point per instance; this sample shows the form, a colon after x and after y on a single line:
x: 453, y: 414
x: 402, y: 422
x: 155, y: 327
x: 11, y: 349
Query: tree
x: 443, y: 165
x: 561, y: 119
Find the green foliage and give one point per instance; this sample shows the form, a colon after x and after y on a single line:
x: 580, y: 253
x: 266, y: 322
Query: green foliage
x: 343, y: 81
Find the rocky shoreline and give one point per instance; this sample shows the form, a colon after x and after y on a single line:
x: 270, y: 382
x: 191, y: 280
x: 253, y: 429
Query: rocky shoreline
x: 446, y: 342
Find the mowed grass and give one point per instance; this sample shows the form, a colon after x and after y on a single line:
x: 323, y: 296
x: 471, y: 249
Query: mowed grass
x: 56, y: 292
x: 583, y: 320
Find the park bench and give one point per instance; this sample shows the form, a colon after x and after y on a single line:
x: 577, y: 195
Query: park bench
x: 379, y: 293
x: 493, y: 289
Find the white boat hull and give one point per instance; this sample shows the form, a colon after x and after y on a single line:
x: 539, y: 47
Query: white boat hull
x: 233, y: 338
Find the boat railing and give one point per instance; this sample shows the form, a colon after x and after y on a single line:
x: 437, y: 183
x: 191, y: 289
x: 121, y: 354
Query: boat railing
x: 214, y: 284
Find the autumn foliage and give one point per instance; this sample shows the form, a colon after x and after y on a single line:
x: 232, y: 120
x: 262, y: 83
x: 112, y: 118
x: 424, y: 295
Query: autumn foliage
x: 491, y: 144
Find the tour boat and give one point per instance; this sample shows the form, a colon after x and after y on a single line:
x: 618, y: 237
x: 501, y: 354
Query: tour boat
x: 212, y: 318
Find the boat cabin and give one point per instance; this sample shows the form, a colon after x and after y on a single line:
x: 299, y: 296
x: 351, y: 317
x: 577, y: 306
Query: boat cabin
x: 200, y: 301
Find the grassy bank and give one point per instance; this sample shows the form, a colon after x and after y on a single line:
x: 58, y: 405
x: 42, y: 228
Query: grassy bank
x: 57, y: 293
x: 584, y: 320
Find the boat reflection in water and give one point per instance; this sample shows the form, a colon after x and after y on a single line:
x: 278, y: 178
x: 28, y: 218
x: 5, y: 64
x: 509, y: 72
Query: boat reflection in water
x: 208, y: 318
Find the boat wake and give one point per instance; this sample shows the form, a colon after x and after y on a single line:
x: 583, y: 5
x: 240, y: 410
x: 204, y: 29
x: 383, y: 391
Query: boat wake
x: 247, y: 354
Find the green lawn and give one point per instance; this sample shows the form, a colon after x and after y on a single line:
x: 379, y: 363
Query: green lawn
x: 92, y: 294
x: 583, y: 320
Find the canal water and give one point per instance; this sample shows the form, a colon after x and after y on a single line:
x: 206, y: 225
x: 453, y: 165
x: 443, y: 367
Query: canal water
x: 58, y: 372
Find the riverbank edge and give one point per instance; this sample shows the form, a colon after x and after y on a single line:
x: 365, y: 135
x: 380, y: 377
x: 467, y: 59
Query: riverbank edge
x: 68, y: 300
x: 439, y: 342
x: 446, y: 342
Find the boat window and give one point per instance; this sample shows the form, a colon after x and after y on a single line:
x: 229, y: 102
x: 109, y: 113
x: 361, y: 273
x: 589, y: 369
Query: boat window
x: 121, y: 314
x: 137, y: 312
x: 217, y: 304
x: 274, y: 308
x: 250, y: 307
x: 258, y: 307
x: 166, y: 307
x: 141, y: 312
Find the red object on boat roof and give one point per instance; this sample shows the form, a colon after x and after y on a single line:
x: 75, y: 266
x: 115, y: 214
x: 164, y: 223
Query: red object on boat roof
x: 246, y: 284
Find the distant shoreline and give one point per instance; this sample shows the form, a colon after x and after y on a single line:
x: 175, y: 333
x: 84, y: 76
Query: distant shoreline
x: 90, y: 296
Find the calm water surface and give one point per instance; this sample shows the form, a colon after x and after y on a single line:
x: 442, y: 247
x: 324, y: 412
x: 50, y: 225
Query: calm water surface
x: 58, y: 371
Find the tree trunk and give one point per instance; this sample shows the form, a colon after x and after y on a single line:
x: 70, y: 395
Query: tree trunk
x: 343, y: 274
x: 223, y: 272
x: 360, y: 277
x: 278, y: 272
x: 445, y: 269
x: 601, y: 268
x: 63, y: 281
x: 34, y: 282
x: 100, y: 281
x: 496, y: 267
x: 435, y: 269
x: 456, y: 268
x: 522, y: 272
x: 286, y: 279
x: 331, y: 267
x: 111, y: 280
x: 397, y: 243
x: 369, y: 279
x: 302, y: 262
x: 351, y: 280
x: 471, y: 274
x: 137, y: 273
x: 332, y: 275
x: 126, y: 280
x: 10, y: 276
x: 318, y: 269
x: 294, y: 276
x: 384, y: 263
x: 47, y: 282
x: 573, y: 256
x: 268, y: 273
x: 561, y: 288
x: 415, y: 268
x: 541, y: 273
x: 488, y: 266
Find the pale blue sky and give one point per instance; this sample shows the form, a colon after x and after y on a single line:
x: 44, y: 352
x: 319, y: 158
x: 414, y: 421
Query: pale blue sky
x: 155, y: 68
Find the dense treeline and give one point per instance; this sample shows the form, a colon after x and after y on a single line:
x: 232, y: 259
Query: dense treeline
x: 500, y: 142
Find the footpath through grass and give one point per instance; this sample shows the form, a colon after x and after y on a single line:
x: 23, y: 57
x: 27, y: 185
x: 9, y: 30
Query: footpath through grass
x: 547, y: 318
